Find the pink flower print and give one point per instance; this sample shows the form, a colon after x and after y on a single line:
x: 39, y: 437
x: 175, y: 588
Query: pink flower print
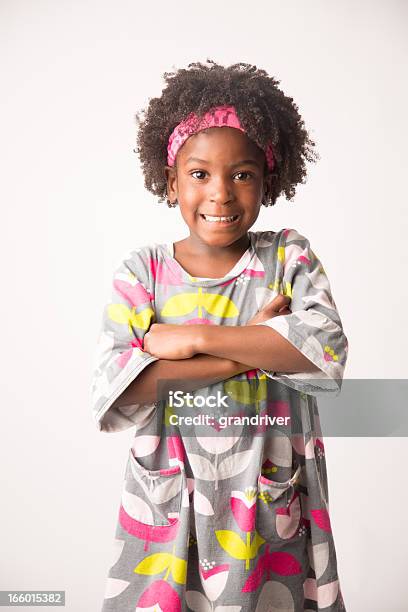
x: 136, y: 518
x: 176, y: 451
x: 295, y: 256
x: 279, y: 408
x: 243, y: 506
x: 283, y: 563
x: 135, y: 293
x: 322, y: 519
x: 279, y: 562
x: 161, y: 597
x: 255, y: 577
x: 146, y: 532
x: 304, y: 259
x: 288, y: 518
x: 228, y: 282
x: 213, y: 578
x: 166, y: 273
x: 255, y: 270
x: 319, y: 447
x: 124, y: 357
x: 250, y: 374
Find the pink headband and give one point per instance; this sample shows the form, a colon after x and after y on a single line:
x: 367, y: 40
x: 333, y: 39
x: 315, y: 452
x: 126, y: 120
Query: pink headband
x: 217, y: 117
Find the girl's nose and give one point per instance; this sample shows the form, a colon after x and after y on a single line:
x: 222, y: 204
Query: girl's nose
x: 221, y: 192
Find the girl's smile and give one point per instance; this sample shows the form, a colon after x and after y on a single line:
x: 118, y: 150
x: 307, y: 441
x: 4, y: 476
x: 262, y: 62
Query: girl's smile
x: 221, y: 221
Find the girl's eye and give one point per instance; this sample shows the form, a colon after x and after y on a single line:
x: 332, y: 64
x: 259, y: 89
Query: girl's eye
x: 198, y: 172
x: 246, y: 174
x: 202, y: 173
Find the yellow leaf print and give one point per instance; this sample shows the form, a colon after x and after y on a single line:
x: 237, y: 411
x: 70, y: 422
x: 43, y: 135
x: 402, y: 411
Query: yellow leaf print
x: 179, y: 570
x: 246, y: 392
x: 153, y: 564
x: 158, y: 562
x: 237, y: 548
x: 232, y: 543
x: 219, y: 305
x: 287, y: 290
x: 255, y: 544
x: 120, y: 313
x: 262, y: 388
x: 167, y: 414
x: 242, y: 392
x: 180, y: 305
x: 184, y: 303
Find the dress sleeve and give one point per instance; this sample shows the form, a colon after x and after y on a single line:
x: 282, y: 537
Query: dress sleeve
x: 314, y: 326
x: 119, y: 356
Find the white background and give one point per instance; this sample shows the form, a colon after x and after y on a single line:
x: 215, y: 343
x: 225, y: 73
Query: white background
x: 73, y: 75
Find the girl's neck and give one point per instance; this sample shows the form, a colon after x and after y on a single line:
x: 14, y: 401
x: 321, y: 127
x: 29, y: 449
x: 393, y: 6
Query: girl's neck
x: 202, y: 260
x: 196, y: 248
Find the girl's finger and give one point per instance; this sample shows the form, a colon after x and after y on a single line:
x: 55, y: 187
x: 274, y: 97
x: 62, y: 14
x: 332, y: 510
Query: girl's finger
x: 279, y: 301
x: 287, y: 298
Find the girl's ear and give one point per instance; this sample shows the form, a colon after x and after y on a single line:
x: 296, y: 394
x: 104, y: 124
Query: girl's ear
x: 171, y: 177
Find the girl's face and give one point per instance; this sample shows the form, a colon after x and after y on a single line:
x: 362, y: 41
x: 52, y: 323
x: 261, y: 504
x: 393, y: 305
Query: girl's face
x: 219, y: 172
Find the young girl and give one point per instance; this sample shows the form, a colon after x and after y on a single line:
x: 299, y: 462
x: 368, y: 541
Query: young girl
x: 215, y: 347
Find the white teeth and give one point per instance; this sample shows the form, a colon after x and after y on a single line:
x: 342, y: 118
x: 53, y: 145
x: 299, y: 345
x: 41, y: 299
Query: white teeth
x: 216, y: 219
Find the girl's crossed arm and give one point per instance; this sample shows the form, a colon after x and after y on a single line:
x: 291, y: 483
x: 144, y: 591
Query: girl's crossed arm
x: 259, y: 347
x: 190, y: 370
x: 306, y: 349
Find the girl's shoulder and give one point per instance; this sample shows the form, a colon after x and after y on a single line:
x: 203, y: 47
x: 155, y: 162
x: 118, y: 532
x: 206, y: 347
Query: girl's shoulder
x: 141, y: 255
x: 275, y: 239
x: 140, y: 262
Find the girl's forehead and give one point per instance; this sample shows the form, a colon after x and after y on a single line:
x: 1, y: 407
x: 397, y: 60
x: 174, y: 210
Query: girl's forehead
x: 219, y: 141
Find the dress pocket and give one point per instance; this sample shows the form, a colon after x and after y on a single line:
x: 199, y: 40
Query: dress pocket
x: 151, y: 501
x: 278, y: 512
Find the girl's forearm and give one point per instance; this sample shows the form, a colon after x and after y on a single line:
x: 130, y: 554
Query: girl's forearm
x: 258, y: 345
x: 188, y: 375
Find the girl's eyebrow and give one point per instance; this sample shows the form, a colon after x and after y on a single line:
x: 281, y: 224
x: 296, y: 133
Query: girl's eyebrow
x: 243, y: 161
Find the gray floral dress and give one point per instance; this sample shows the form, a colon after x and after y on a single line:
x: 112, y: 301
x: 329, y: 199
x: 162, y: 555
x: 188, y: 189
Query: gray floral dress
x: 227, y: 510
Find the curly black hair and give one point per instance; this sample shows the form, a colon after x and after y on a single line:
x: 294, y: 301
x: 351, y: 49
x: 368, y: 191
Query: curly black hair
x: 266, y: 114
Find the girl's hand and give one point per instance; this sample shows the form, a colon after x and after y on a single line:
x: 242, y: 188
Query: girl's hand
x: 168, y: 341
x: 278, y: 306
